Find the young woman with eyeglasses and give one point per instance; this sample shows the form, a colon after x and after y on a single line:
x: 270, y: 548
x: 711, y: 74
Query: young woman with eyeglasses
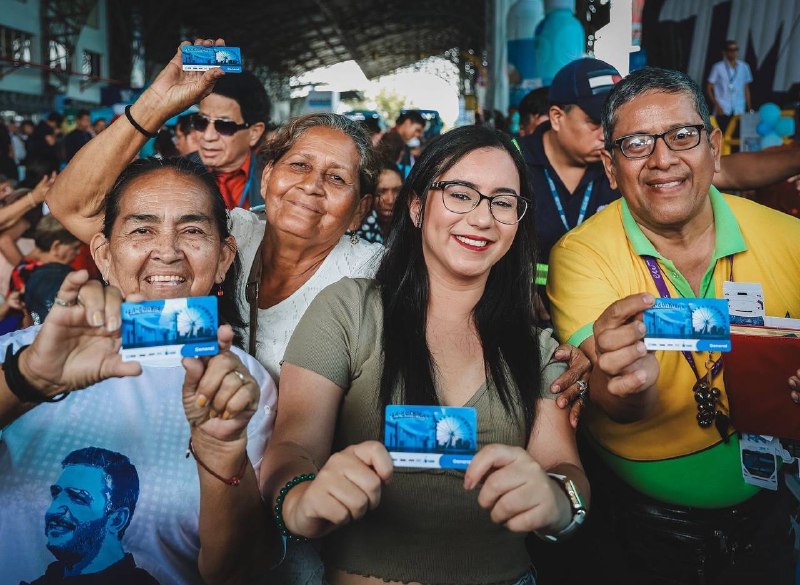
x: 447, y: 321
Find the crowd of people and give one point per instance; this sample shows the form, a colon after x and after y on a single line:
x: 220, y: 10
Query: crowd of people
x: 354, y: 272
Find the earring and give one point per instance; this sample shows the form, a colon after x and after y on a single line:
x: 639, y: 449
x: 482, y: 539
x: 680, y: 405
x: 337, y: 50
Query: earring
x: 354, y: 238
x: 220, y: 292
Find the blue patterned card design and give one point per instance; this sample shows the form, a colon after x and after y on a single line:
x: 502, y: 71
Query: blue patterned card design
x: 688, y: 325
x: 434, y: 437
x: 197, y: 58
x: 165, y: 331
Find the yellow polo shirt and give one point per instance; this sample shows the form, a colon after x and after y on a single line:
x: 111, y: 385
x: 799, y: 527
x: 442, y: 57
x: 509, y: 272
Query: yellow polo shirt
x: 668, y: 456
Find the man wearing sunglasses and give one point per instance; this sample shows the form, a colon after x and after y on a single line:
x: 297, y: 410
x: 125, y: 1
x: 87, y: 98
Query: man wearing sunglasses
x: 673, y: 503
x: 229, y: 129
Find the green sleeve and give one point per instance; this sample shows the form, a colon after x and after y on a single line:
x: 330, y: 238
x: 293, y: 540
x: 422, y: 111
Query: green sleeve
x: 326, y: 338
x: 551, y: 369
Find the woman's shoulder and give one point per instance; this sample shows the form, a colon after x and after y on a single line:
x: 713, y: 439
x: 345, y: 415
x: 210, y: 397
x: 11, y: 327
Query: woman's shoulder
x: 247, y: 228
x: 350, y: 292
x: 357, y: 258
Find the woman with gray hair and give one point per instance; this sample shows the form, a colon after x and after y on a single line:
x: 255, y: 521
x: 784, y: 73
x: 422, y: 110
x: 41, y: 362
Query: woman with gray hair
x: 317, y: 168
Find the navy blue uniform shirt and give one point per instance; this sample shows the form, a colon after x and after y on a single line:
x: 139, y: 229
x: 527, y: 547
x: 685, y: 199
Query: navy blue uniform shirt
x: 549, y: 227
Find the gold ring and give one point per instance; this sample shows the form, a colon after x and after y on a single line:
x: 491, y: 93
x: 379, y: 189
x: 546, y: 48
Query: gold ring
x: 63, y: 303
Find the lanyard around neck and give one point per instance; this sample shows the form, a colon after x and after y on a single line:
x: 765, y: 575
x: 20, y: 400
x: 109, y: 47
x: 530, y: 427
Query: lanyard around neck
x: 250, y: 173
x: 587, y: 194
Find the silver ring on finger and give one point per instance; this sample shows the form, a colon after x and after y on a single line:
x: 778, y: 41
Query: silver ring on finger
x: 239, y: 375
x: 63, y: 303
x: 583, y: 390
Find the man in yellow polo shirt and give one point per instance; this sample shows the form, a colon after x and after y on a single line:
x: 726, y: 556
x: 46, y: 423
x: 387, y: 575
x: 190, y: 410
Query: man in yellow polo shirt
x: 682, y: 512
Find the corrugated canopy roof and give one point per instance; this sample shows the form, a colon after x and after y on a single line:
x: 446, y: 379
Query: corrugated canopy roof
x: 295, y: 36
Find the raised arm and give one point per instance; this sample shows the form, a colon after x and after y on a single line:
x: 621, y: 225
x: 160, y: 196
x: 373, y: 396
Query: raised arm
x: 752, y: 170
x: 77, y: 197
x: 220, y: 396
x: 348, y: 483
x: 624, y: 374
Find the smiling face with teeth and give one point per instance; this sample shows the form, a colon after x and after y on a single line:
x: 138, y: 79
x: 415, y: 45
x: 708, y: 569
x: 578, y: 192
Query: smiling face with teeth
x: 464, y: 247
x: 667, y: 190
x: 164, y: 242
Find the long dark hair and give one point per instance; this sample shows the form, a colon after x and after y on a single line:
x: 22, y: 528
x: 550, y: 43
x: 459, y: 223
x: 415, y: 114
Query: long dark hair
x: 503, y: 315
x: 228, y: 307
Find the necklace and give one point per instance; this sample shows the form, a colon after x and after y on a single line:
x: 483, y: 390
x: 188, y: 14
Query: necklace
x: 709, y: 407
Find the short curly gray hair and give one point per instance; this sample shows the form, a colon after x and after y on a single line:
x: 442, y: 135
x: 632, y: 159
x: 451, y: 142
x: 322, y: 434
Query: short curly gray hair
x: 288, y: 134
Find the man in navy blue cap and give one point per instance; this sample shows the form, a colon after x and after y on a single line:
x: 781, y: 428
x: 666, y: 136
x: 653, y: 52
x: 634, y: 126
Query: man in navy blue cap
x: 563, y: 154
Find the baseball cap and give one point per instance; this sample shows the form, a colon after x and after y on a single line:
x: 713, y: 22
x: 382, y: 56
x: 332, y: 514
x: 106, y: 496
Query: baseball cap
x: 585, y: 83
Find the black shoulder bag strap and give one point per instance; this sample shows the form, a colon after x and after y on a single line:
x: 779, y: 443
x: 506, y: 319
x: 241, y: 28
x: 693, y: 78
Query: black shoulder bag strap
x: 251, y: 294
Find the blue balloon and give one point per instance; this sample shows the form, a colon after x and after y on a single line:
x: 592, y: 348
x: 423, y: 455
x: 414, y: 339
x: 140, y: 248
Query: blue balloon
x: 784, y: 126
x: 771, y: 140
x: 769, y: 113
x: 763, y: 129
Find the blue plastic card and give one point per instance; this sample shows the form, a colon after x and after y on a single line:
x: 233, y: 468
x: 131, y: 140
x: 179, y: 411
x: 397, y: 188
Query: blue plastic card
x: 165, y: 331
x: 688, y: 325
x: 198, y: 58
x: 434, y: 437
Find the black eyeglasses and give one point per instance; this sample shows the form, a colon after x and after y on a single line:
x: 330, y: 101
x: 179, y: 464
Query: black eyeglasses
x: 732, y: 49
x: 223, y: 127
x: 643, y: 145
x: 460, y: 198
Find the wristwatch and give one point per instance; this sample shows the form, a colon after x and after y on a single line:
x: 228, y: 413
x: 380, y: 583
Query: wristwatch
x: 576, y: 503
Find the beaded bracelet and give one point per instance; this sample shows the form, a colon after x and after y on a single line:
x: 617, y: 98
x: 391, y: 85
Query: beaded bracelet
x: 279, y: 506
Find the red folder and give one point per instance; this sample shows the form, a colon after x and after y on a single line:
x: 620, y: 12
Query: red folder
x: 756, y: 372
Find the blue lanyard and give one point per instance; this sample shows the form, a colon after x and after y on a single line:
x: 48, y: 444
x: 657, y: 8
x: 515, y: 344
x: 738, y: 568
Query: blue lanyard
x: 587, y: 194
x: 251, y: 172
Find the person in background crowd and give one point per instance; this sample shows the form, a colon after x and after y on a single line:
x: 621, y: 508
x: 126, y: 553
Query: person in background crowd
x: 23, y: 210
x: 165, y: 144
x: 533, y: 110
x: 17, y: 143
x: 26, y: 129
x: 446, y: 321
x: 390, y: 182
x: 230, y: 127
x: 82, y: 134
x: 54, y: 250
x: 672, y: 505
x: 8, y: 166
x: 728, y: 85
x: 99, y: 125
x: 409, y: 126
x: 391, y: 147
x: 185, y: 138
x: 7, y: 186
x: 42, y: 148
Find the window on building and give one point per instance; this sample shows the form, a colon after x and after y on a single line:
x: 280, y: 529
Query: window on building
x: 59, y: 57
x: 15, y: 44
x: 90, y: 63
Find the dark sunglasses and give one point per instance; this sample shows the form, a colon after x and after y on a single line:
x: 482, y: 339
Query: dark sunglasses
x: 223, y: 127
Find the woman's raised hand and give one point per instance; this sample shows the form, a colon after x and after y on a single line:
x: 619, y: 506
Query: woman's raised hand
x: 177, y: 89
x: 517, y: 491
x: 219, y: 394
x: 79, y: 343
x: 345, y: 489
